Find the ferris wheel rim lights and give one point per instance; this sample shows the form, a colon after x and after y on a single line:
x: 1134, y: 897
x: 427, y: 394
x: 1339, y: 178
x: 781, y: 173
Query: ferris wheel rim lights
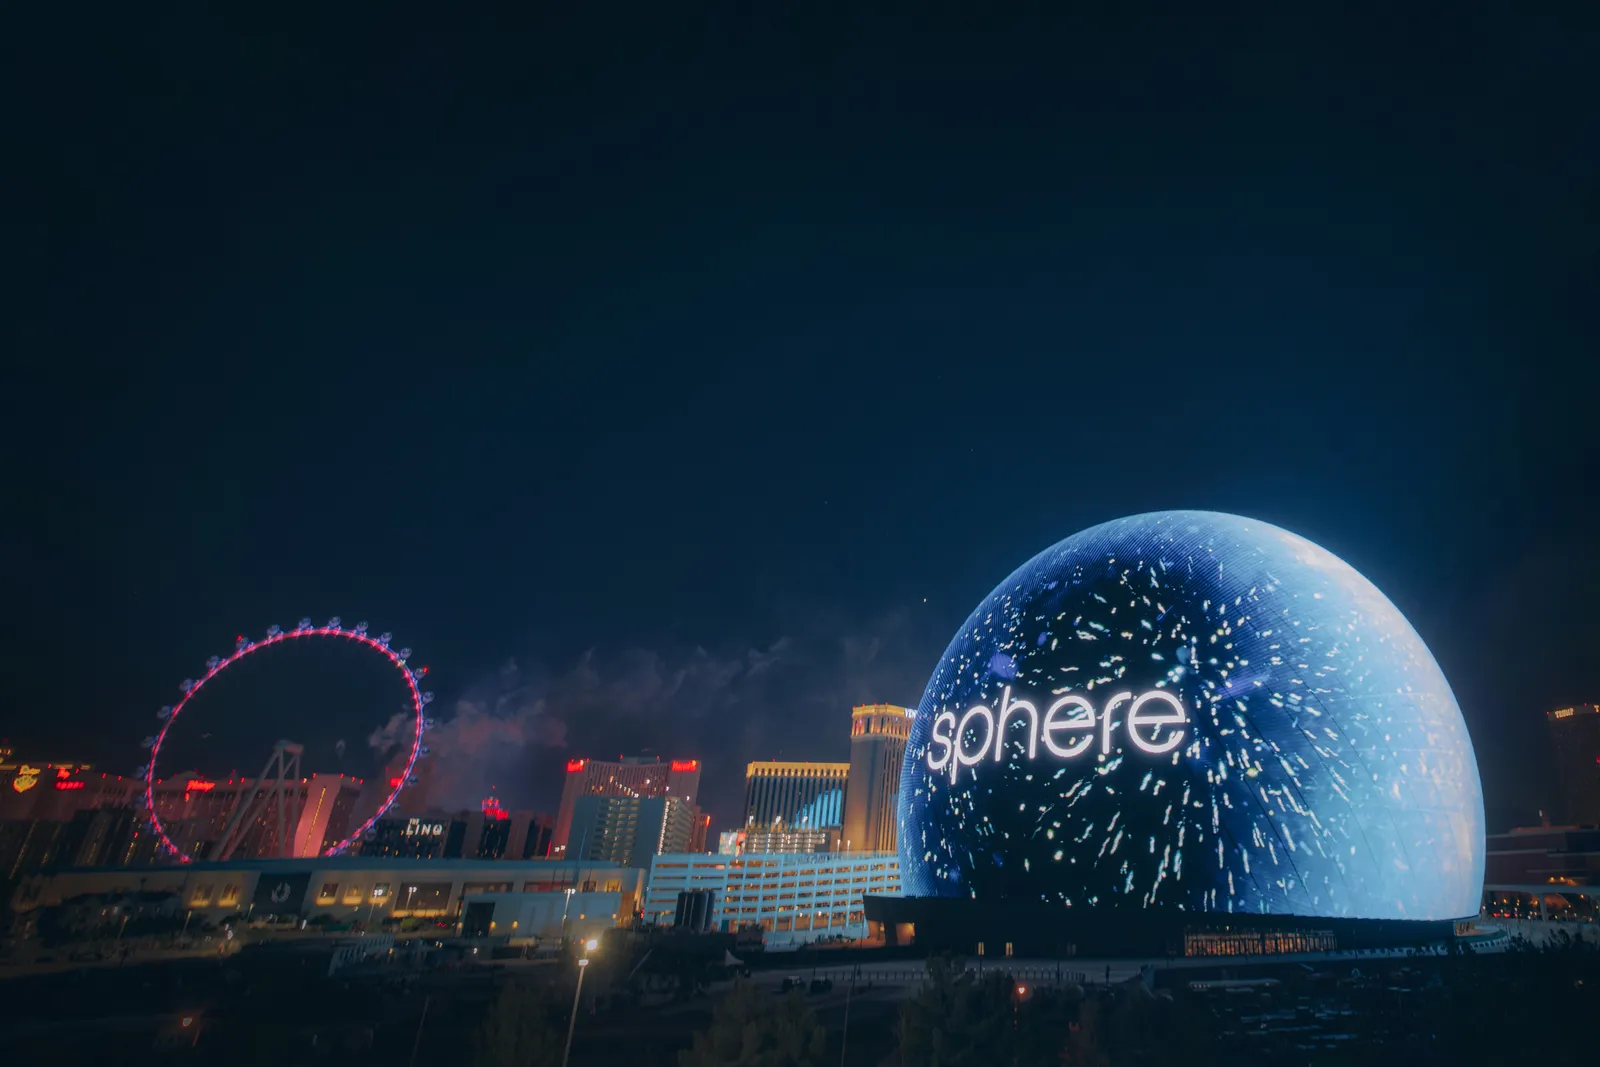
x: 275, y: 636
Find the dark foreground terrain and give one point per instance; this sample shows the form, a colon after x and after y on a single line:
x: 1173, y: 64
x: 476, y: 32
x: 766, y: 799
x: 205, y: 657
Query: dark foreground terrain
x: 1521, y: 1006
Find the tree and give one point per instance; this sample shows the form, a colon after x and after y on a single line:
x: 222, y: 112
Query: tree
x: 958, y: 1019
x: 752, y: 1029
x: 1132, y: 1027
x: 524, y: 1028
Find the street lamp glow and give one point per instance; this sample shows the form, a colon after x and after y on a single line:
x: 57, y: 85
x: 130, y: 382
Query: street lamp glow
x: 591, y: 944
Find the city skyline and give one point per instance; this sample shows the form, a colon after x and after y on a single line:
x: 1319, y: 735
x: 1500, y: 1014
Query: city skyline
x: 1554, y: 810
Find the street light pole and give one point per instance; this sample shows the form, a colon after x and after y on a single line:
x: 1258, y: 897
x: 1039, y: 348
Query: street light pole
x: 572, y: 1023
x: 844, y: 1036
x: 418, y: 1042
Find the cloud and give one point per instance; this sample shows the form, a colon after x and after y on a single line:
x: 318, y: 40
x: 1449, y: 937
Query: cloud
x: 783, y: 698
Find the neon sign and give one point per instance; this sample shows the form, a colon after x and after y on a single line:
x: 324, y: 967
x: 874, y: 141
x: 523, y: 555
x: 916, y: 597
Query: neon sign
x: 1072, y: 715
x: 69, y: 785
x: 681, y: 766
x: 198, y: 785
x: 27, y: 777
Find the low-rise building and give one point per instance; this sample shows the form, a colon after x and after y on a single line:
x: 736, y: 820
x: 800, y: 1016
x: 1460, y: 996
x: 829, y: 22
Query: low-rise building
x: 540, y: 916
x: 794, y: 898
x: 343, y: 888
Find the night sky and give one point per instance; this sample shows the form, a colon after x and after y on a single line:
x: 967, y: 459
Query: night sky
x: 670, y: 385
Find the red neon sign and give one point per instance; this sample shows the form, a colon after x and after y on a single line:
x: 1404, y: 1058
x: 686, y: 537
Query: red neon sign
x: 492, y: 808
x: 396, y: 783
x: 69, y: 785
x: 681, y: 765
x: 198, y: 785
x: 575, y: 765
x: 62, y: 772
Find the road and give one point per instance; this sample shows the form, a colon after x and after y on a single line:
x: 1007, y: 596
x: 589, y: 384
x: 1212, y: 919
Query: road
x: 1046, y: 972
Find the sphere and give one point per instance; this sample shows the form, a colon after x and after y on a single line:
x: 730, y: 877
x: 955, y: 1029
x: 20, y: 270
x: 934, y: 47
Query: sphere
x: 1196, y: 711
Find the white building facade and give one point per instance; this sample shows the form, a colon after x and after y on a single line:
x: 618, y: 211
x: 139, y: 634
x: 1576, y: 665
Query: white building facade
x: 795, y: 898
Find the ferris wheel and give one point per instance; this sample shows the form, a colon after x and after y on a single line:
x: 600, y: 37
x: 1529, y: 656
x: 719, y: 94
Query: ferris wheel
x: 279, y: 776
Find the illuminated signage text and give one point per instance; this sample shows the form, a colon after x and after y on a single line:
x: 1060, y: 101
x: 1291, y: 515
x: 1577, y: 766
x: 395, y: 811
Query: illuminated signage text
x: 1069, y: 727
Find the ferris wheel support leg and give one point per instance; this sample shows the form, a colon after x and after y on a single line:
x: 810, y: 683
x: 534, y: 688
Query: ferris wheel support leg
x: 287, y: 775
x: 247, y: 801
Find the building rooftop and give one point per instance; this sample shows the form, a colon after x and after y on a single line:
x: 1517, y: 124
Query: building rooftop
x: 356, y: 863
x: 1576, y: 709
x: 800, y: 766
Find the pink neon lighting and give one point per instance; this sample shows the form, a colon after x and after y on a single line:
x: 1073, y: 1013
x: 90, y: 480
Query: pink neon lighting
x: 277, y: 638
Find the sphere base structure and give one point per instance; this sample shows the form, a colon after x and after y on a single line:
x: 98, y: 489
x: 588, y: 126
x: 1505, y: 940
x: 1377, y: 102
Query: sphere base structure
x: 1040, y: 931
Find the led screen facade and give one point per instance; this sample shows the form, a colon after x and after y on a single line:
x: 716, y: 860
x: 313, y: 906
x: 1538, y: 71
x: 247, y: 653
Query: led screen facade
x: 1197, y: 711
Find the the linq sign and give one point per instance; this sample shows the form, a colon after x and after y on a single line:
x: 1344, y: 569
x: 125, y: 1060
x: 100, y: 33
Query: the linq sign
x: 1068, y: 728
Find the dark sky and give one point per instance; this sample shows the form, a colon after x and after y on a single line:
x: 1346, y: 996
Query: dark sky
x: 673, y: 384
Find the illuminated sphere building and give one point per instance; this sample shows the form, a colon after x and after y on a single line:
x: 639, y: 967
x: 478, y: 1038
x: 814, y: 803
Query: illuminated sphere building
x: 1195, y: 712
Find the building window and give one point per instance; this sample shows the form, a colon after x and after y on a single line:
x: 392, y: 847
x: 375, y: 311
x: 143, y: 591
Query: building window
x: 380, y: 891
x: 230, y: 896
x: 202, y: 895
x: 328, y: 891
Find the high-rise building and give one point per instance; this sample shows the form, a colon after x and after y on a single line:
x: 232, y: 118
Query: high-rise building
x: 196, y: 811
x: 491, y: 833
x: 528, y: 836
x: 628, y: 831
x: 795, y: 796
x: 629, y: 776
x: 757, y: 841
x: 103, y: 837
x: 1575, y: 732
x: 427, y: 836
x: 878, y: 734
x: 57, y: 791
x: 325, y: 813
x: 700, y: 840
